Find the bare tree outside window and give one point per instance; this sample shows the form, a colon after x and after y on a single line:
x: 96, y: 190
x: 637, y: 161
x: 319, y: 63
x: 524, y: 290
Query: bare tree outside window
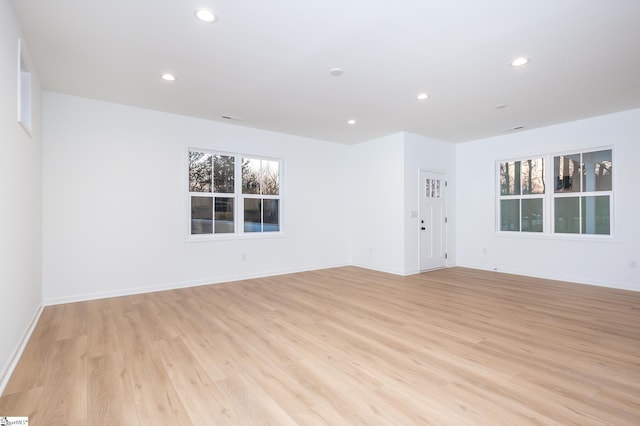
x: 223, y: 174
x: 270, y: 177
x: 200, y: 172
x: 250, y: 176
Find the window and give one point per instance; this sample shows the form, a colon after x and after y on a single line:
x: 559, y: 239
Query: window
x: 580, y: 202
x: 522, y: 190
x: 24, y: 90
x: 233, y: 194
x: 432, y: 188
x: 582, y: 194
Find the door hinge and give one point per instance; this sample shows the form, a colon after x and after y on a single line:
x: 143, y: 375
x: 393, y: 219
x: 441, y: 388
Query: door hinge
x: 446, y: 183
x: 446, y: 255
x: 446, y: 219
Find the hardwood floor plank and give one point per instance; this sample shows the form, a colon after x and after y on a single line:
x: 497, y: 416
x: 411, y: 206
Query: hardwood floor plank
x: 318, y: 415
x: 252, y: 404
x: 201, y: 399
x: 219, y: 352
x: 73, y: 384
x: 109, y: 391
x: 102, y: 333
x: 155, y: 398
x: 73, y: 321
x: 22, y: 404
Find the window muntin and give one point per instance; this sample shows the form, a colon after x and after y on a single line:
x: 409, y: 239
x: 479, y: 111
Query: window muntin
x: 580, y: 202
x: 261, y: 215
x: 219, y: 206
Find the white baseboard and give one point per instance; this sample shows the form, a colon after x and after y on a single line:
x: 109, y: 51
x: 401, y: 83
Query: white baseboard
x: 533, y: 274
x: 394, y: 272
x: 12, y: 362
x: 173, y: 286
x: 375, y: 268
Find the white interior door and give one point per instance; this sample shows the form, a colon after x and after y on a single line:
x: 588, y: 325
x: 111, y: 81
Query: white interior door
x: 433, y: 197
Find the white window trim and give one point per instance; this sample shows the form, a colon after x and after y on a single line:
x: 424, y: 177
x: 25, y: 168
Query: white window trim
x: 550, y: 195
x: 238, y: 196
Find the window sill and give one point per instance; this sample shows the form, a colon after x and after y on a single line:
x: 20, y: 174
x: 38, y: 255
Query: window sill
x: 563, y: 237
x: 234, y: 237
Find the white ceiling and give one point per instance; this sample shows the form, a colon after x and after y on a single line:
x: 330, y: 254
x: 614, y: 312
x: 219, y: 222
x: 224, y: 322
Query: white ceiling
x: 267, y: 62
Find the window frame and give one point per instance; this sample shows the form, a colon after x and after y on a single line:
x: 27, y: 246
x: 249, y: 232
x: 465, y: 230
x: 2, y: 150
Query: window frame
x: 550, y: 196
x: 238, y: 196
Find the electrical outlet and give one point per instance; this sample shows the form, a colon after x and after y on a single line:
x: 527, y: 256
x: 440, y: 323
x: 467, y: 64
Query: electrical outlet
x: 633, y: 264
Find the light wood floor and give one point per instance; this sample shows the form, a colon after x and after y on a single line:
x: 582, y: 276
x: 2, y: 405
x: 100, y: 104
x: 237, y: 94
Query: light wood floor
x: 338, y: 346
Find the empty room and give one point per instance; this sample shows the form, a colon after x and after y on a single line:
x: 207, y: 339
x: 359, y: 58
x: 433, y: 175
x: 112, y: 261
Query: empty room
x: 324, y: 212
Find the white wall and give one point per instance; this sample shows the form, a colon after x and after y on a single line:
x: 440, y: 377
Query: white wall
x: 21, y: 195
x: 578, y: 260
x: 421, y: 153
x: 115, y: 192
x: 377, y: 196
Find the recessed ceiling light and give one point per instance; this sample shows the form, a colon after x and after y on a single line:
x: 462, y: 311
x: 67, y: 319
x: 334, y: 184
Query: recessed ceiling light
x: 351, y: 122
x: 336, y: 71
x: 422, y: 96
x: 520, y: 61
x: 205, y: 15
x: 168, y: 76
x: 501, y: 106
